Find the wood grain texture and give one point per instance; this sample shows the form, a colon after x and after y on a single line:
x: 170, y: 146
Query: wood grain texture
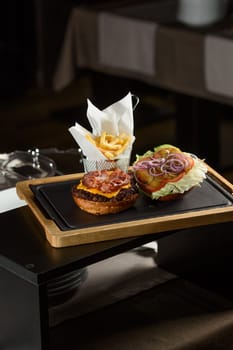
x: 58, y: 238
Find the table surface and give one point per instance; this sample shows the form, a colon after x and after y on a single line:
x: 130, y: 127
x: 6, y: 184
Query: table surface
x: 25, y: 250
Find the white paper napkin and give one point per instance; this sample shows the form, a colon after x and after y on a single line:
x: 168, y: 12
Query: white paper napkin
x: 115, y: 119
x: 88, y: 149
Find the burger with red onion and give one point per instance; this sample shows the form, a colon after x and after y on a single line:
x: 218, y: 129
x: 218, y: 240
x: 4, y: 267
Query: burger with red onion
x: 166, y: 173
x: 104, y: 192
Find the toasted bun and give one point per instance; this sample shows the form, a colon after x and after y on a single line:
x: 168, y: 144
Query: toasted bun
x: 105, y: 192
x: 105, y: 208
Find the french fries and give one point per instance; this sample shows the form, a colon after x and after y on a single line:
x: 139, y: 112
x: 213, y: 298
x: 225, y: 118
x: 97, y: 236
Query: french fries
x: 110, y: 145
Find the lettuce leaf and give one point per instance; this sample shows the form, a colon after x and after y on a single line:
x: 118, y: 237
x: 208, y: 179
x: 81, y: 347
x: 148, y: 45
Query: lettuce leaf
x: 193, y: 178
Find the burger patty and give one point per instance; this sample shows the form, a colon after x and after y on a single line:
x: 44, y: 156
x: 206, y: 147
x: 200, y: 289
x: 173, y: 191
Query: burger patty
x: 124, y: 193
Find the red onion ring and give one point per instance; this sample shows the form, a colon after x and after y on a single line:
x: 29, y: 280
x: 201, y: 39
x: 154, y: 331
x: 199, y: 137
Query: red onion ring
x: 171, y: 164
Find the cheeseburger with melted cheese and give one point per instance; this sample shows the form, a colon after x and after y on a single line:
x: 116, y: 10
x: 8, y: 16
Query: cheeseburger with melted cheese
x: 102, y: 192
x: 166, y: 173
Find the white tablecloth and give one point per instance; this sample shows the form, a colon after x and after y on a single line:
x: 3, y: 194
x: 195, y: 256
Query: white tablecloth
x: 127, y: 43
x: 218, y: 65
x: 184, y: 60
x: 115, y: 41
x: 9, y: 200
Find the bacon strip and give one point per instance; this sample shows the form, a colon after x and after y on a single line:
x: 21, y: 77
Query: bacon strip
x: 106, y: 181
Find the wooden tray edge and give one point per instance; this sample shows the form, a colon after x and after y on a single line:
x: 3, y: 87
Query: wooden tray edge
x: 220, y: 179
x: 59, y: 239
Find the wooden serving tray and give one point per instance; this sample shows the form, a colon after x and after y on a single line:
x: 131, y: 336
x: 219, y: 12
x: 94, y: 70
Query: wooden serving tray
x: 66, y: 225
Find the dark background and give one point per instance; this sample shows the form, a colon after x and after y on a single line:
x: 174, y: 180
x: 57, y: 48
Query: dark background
x: 32, y: 114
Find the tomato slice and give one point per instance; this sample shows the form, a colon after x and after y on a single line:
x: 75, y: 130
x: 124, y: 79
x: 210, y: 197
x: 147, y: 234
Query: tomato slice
x: 152, y: 183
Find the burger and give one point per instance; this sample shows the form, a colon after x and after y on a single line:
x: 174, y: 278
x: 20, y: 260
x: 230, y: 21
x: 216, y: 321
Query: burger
x: 167, y: 173
x: 103, y: 192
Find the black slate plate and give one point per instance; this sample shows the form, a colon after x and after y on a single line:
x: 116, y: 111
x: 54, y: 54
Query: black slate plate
x: 57, y: 202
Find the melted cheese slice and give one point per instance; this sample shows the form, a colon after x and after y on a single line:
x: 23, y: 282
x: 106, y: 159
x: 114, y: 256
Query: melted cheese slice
x: 96, y: 191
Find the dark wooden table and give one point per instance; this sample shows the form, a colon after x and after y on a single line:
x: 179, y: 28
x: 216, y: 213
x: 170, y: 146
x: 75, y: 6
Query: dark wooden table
x: 28, y: 263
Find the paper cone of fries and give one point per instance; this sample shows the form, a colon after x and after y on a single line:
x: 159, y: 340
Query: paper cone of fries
x: 109, y: 143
